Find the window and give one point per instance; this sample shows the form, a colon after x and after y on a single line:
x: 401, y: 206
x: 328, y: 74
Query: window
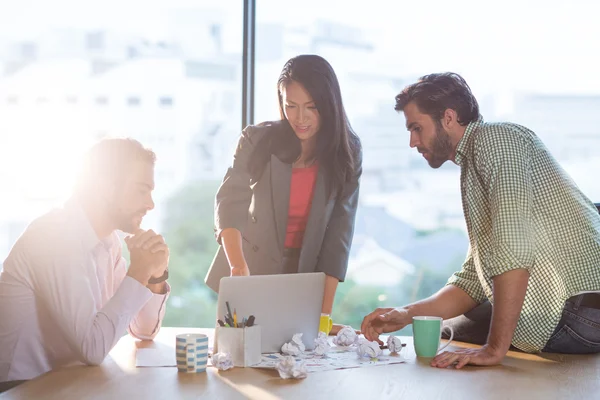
x: 174, y: 54
x: 166, y: 102
x: 95, y: 40
x: 186, y: 56
x: 101, y: 101
x: 409, y: 231
x: 133, y: 101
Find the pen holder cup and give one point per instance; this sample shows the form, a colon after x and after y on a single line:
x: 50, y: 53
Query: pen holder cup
x: 242, y: 343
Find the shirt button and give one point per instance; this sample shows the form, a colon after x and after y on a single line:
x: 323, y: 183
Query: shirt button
x: 253, y: 219
x: 255, y: 248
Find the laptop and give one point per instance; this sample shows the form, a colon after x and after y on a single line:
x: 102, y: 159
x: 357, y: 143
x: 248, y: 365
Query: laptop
x: 282, y: 305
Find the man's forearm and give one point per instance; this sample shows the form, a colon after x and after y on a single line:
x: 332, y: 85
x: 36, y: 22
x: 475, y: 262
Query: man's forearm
x: 509, y: 294
x: 451, y: 301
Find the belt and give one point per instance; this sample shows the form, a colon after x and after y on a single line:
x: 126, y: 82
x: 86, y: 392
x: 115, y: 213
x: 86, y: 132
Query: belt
x: 591, y: 300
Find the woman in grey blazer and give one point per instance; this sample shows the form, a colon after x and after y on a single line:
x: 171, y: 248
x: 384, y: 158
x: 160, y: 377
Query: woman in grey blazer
x: 288, y: 202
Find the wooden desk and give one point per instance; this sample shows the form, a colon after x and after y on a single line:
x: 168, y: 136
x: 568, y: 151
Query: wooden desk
x: 522, y: 376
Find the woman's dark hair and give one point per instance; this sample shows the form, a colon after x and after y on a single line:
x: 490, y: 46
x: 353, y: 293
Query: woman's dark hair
x: 435, y: 93
x: 338, y: 148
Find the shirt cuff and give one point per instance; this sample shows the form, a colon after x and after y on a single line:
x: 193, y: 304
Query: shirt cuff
x: 131, y: 296
x: 469, y: 287
x: 159, y: 298
x: 498, y: 265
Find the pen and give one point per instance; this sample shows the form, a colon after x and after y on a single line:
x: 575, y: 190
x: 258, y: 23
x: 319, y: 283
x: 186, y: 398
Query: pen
x: 383, y: 347
x: 220, y: 322
x: 228, y: 310
x: 235, y: 318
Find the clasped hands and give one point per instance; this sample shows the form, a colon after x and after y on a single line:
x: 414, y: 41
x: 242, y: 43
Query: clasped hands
x: 149, y: 255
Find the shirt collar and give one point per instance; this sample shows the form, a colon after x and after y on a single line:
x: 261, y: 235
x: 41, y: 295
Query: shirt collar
x: 82, y: 225
x: 462, y: 148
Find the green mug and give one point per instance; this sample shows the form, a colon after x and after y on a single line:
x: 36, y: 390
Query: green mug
x: 427, y: 334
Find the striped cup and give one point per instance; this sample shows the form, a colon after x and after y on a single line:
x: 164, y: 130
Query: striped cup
x: 191, y: 351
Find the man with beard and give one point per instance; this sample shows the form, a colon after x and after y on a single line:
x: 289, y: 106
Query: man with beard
x: 65, y: 293
x: 531, y: 278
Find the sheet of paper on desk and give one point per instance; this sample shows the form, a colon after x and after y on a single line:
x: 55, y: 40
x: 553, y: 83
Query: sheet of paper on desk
x: 336, y: 358
x: 155, y: 358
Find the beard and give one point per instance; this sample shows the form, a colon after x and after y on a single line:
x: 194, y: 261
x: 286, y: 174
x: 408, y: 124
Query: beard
x: 128, y: 222
x: 440, y: 149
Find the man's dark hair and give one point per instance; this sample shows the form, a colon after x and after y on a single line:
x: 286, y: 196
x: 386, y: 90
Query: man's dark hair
x: 433, y: 94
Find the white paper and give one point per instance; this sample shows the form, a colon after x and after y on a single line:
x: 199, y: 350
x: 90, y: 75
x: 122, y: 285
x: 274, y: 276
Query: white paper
x: 295, y: 347
x: 155, y: 357
x: 367, y: 349
x: 322, y: 345
x: 336, y: 358
x: 222, y: 361
x: 290, y: 369
x: 346, y: 337
x: 394, y: 344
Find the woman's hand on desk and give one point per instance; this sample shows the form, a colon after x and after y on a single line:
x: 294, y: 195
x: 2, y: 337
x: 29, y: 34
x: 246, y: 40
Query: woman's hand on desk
x: 240, y: 271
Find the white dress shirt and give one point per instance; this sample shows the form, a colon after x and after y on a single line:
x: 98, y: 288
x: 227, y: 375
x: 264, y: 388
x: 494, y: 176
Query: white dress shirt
x: 65, y: 297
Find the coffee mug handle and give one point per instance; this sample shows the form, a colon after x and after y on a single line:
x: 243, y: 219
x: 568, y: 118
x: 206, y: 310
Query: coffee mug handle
x: 190, y: 355
x: 449, y: 340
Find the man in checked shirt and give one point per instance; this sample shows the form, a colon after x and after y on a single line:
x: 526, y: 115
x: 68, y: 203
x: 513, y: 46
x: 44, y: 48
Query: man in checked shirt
x: 531, y: 278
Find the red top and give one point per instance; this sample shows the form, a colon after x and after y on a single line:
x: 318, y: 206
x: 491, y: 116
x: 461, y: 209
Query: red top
x: 301, y: 194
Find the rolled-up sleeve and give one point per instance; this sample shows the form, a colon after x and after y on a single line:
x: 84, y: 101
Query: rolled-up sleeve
x: 467, y: 279
x: 234, y: 195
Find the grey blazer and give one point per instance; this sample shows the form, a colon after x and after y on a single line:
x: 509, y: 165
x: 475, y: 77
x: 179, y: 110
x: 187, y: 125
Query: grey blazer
x: 260, y: 213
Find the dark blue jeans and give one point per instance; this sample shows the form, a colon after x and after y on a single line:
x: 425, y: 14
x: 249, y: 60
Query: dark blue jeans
x: 578, y: 331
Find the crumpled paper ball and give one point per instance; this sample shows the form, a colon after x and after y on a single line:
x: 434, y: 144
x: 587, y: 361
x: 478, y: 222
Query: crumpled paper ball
x: 322, y: 345
x: 346, y: 337
x: 222, y: 361
x: 394, y: 344
x: 289, y: 369
x: 295, y: 347
x: 368, y: 349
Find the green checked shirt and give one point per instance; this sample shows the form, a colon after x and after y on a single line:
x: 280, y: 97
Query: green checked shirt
x: 523, y: 211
